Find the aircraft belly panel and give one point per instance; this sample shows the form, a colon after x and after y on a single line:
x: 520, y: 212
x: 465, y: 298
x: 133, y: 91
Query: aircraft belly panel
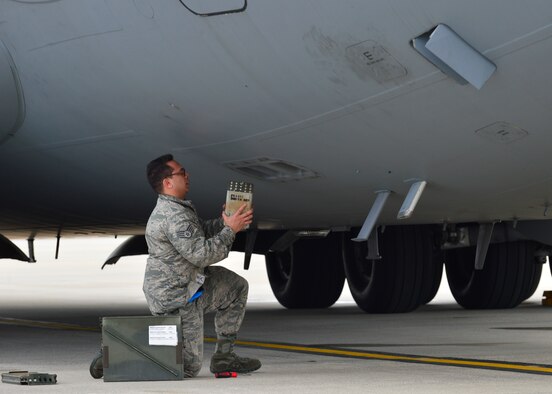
x: 12, y: 102
x: 333, y: 87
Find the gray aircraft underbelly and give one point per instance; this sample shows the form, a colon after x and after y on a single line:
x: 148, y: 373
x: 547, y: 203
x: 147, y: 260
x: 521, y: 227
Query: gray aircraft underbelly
x: 319, y: 104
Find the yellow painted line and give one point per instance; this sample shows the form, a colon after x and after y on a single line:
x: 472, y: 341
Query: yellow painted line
x: 504, y: 366
x: 45, y: 324
x: 471, y: 363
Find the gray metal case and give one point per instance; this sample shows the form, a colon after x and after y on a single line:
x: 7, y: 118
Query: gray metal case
x: 128, y: 355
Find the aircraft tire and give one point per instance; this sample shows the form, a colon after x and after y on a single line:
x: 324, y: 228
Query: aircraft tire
x: 307, y: 275
x: 403, y: 279
x: 507, y: 278
x: 534, y: 281
x: 434, y: 278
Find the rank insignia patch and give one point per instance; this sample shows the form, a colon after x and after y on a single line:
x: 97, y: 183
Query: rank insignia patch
x: 184, y: 233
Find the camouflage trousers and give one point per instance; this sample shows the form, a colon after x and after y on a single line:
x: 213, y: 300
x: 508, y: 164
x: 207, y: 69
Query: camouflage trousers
x: 225, y: 293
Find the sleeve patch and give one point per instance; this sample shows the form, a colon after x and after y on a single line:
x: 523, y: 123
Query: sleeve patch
x: 184, y: 233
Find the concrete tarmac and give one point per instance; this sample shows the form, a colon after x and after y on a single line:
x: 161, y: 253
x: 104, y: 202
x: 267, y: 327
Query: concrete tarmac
x: 440, y: 348
x: 519, y: 338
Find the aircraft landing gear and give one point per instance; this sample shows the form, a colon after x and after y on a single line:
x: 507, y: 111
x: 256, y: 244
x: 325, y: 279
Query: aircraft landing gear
x: 510, y: 275
x: 308, y: 274
x: 408, y: 274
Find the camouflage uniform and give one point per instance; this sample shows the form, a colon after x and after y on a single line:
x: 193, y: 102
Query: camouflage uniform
x: 181, y: 249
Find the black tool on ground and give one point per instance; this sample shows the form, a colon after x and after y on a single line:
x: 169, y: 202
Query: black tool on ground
x: 226, y: 375
x: 28, y: 378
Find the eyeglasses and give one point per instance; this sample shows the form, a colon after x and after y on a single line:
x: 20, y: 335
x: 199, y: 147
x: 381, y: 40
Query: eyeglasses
x: 182, y: 172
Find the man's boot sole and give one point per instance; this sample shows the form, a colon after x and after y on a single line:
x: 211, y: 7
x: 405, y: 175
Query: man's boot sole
x: 96, y: 373
x: 236, y: 370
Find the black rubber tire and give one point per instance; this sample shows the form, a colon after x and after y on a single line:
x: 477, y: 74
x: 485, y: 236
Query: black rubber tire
x: 507, y: 278
x: 309, y: 274
x: 534, y: 281
x: 402, y: 280
x: 434, y: 277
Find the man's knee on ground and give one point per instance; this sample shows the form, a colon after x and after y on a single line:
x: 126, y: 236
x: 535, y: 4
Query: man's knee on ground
x: 191, y: 371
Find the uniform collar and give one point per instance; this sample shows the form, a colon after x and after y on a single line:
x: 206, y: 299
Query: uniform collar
x: 185, y: 203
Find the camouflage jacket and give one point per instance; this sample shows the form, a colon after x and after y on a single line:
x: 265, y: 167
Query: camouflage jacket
x: 180, y: 246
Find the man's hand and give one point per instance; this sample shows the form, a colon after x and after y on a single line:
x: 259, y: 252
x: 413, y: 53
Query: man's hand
x: 239, y: 220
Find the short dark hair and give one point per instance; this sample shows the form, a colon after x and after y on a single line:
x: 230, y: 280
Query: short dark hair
x: 158, y: 170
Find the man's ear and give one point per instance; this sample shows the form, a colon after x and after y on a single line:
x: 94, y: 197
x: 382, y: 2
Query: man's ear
x: 167, y: 183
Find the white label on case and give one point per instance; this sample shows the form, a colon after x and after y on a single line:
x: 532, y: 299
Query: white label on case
x: 163, y: 336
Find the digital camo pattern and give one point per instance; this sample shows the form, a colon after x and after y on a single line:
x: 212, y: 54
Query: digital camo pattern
x: 180, y: 246
x: 224, y: 292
